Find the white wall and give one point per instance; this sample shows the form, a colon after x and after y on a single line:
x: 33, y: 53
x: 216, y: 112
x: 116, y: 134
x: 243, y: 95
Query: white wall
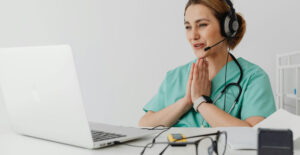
x: 124, y: 48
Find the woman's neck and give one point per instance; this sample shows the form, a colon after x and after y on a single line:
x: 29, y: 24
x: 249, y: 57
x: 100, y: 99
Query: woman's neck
x: 216, y: 62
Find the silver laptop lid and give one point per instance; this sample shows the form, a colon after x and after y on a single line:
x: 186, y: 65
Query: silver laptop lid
x: 42, y: 95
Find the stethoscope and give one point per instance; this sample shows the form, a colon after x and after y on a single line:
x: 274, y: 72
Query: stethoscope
x: 237, y: 84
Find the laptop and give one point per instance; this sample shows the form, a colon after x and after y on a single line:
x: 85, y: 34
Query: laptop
x: 43, y: 98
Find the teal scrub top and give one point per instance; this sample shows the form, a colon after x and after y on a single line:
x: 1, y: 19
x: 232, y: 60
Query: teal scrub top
x: 256, y: 98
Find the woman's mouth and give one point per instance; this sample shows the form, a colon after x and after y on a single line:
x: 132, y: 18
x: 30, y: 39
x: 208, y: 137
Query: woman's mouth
x: 198, y: 45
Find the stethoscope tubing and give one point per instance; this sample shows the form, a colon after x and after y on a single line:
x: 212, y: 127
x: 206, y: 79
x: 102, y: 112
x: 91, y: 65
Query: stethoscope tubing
x: 232, y: 84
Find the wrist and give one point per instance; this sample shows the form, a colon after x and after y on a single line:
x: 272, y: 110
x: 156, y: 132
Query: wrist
x: 194, y: 98
x: 201, y: 100
x: 205, y: 107
x: 186, y: 103
x: 201, y: 106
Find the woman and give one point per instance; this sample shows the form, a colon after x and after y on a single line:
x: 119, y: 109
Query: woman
x: 184, y: 98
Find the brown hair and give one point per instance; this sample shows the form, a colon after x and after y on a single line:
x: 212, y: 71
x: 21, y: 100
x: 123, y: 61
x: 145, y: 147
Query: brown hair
x: 220, y: 8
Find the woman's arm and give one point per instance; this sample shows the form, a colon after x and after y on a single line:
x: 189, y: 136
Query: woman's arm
x: 218, y: 118
x: 167, y: 116
x: 171, y: 114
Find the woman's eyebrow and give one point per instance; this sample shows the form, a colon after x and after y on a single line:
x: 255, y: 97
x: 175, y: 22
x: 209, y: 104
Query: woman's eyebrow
x: 197, y: 21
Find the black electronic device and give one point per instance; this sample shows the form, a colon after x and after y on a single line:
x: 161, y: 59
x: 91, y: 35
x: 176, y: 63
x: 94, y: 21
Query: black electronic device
x: 275, y: 142
x: 229, y: 22
x: 229, y: 25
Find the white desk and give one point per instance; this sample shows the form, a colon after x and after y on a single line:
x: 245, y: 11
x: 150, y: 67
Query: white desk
x: 14, y: 144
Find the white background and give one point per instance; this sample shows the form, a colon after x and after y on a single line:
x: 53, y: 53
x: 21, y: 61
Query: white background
x: 123, y: 48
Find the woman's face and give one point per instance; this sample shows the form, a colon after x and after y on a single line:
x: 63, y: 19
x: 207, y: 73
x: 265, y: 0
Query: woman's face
x: 202, y: 30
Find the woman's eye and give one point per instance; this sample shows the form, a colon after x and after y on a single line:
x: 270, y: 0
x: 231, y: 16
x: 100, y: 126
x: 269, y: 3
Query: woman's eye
x: 187, y: 27
x: 202, y: 25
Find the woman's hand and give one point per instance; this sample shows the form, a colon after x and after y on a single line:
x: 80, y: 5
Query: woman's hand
x: 200, y: 81
x: 187, y: 97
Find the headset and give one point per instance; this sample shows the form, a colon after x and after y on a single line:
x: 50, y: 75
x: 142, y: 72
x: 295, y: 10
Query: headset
x: 229, y: 22
x: 229, y: 25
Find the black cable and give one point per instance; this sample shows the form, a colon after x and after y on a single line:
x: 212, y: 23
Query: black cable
x: 224, y: 106
x: 135, y: 145
x: 162, y: 152
x: 153, y: 140
x: 202, y: 135
x: 155, y: 128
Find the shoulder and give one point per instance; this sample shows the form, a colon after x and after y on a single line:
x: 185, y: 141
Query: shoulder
x: 252, y: 71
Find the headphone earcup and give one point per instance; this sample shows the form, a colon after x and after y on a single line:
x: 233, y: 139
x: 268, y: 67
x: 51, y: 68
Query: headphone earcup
x: 224, y: 26
x: 233, y: 26
x: 229, y: 26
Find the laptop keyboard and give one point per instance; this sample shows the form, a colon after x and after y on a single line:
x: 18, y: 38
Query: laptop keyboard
x: 100, y: 135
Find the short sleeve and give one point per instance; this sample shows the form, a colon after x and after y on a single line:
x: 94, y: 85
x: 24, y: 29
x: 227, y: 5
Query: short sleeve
x: 258, y: 97
x: 158, y: 100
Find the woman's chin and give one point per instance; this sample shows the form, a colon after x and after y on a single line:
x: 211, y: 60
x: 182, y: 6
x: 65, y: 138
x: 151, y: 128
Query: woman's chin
x: 200, y: 54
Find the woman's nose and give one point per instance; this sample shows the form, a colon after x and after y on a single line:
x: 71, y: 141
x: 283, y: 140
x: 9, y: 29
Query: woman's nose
x: 195, y: 34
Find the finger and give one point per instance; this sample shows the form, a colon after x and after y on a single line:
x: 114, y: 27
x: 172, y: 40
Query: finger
x: 207, y: 77
x: 195, y: 74
x: 190, y: 79
x: 203, y: 70
x: 192, y: 70
x: 206, y: 73
x: 200, y: 65
x: 205, y: 65
x: 191, y: 74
